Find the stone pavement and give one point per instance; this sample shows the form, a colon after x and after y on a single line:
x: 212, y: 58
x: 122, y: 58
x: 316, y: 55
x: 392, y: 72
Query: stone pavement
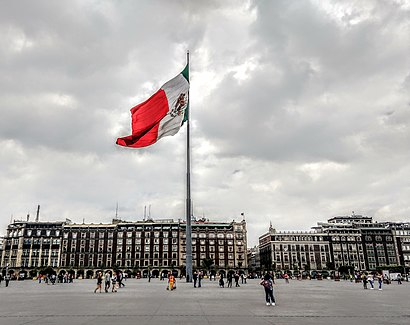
x: 299, y: 302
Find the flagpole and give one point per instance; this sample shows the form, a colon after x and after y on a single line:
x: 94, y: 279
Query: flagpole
x: 188, y: 196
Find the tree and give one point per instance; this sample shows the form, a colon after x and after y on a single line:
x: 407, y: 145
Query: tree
x: 207, y: 263
x: 346, y: 269
x: 48, y: 270
x: 33, y: 273
x: 330, y: 265
x: 274, y: 267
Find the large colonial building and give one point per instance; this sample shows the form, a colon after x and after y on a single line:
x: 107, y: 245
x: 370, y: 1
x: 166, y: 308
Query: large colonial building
x: 353, y: 241
x: 294, y: 250
x: 142, y: 246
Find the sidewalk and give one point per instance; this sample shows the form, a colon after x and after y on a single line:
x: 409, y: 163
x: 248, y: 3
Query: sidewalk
x: 140, y: 302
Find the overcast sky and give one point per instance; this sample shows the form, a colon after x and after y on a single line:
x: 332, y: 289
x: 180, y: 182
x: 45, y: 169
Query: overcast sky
x: 300, y: 110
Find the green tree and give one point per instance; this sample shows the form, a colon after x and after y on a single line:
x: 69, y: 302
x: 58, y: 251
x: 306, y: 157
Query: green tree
x: 48, y: 270
x: 346, y: 269
x: 207, y: 263
x: 330, y: 265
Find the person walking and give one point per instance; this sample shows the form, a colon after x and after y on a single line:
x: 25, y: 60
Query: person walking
x: 120, y: 277
x: 236, y: 276
x: 399, y: 278
x: 114, y: 283
x: 229, y: 280
x: 371, y: 281
x: 107, y: 280
x: 364, y: 279
x: 7, y: 279
x: 267, y: 283
x: 99, y: 282
x: 171, y: 281
x: 195, y: 278
x: 221, y: 280
x: 380, y: 279
x: 200, y: 275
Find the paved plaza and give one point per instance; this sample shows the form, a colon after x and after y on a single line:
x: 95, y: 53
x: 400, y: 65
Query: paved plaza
x: 140, y: 302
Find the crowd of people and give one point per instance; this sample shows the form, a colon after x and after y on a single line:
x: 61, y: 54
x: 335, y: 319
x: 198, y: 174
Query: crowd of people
x: 53, y: 278
x: 378, y: 278
x: 112, y: 281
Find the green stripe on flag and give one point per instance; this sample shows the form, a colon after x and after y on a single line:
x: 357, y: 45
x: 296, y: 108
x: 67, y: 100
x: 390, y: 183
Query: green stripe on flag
x: 185, y: 73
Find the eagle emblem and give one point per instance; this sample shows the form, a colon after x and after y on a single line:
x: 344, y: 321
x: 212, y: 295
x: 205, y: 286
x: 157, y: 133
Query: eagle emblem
x: 180, y: 105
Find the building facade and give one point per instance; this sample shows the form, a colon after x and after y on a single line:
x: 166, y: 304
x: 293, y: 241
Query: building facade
x: 355, y: 242
x: 401, y: 238
x: 30, y: 245
x: 155, y: 246
x: 254, y: 261
x: 294, y: 250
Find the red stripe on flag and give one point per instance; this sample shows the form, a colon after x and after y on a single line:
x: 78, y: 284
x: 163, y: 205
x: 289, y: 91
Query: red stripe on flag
x: 145, y: 121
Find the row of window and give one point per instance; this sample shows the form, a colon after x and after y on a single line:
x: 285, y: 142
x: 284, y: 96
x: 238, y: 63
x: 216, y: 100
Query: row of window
x: 147, y: 234
x: 37, y: 241
x: 302, y: 248
x: 346, y: 238
x: 38, y: 233
x: 299, y: 238
x: 378, y: 238
x: 43, y: 241
x: 302, y: 259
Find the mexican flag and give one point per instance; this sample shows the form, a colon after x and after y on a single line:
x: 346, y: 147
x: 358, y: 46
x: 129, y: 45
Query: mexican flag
x: 161, y: 115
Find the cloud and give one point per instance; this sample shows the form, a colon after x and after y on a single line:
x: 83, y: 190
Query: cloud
x: 300, y: 111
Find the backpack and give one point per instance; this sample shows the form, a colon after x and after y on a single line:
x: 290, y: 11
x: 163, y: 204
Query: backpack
x: 267, y: 284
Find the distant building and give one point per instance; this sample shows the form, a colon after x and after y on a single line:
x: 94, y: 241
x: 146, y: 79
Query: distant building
x: 253, y: 258
x: 401, y: 238
x: 294, y: 250
x: 1, y: 247
x: 31, y: 245
x: 353, y: 241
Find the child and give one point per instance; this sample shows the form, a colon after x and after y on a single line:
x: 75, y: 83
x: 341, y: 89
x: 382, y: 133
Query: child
x: 171, y: 282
